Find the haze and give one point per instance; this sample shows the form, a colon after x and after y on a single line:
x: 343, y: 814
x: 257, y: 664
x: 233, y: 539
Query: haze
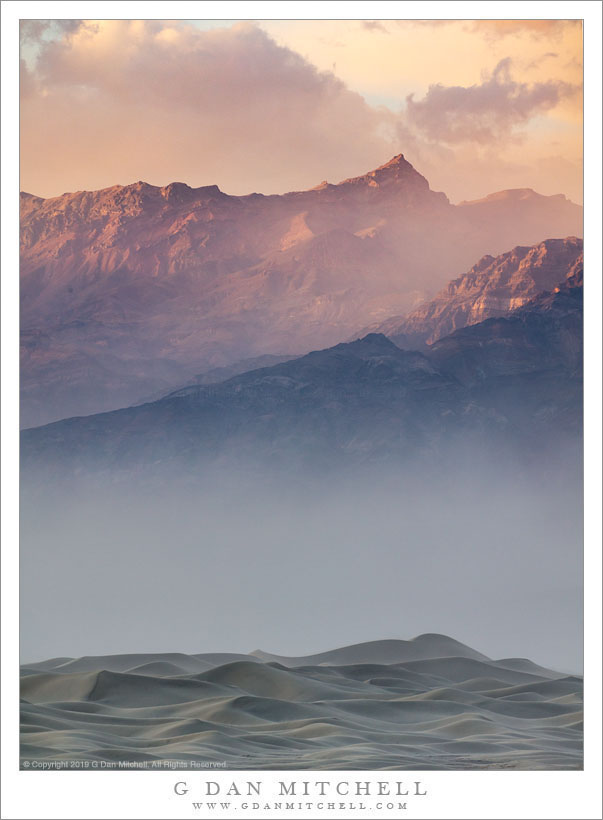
x: 489, y: 554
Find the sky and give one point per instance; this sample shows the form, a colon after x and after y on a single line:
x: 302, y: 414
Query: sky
x: 279, y: 105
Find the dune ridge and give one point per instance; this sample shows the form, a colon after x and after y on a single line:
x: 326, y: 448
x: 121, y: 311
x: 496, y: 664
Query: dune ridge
x: 427, y: 703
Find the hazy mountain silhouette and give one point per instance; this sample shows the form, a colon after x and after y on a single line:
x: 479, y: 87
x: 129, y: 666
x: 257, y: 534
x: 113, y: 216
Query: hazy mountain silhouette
x: 509, y: 384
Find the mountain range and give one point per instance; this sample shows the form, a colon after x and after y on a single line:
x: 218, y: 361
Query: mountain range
x: 506, y: 384
x: 317, y: 410
x: 133, y: 290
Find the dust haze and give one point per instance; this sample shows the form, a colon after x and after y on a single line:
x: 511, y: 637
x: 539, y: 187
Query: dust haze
x: 294, y: 564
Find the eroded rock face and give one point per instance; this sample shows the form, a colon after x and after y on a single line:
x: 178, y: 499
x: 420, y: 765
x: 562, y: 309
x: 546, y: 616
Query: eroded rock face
x: 506, y: 387
x: 492, y: 287
x: 135, y: 289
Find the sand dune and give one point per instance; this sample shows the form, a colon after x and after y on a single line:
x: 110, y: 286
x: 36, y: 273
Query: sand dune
x: 429, y: 703
x: 382, y: 652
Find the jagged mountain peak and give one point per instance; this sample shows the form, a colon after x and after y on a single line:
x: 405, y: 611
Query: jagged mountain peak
x: 397, y: 173
x: 554, y: 253
x: 397, y: 170
x: 173, y: 191
x: 152, y: 284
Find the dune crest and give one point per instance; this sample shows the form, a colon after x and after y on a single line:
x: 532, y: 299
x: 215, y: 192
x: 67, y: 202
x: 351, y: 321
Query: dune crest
x: 426, y: 703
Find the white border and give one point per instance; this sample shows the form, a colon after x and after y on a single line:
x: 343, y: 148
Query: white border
x: 451, y: 794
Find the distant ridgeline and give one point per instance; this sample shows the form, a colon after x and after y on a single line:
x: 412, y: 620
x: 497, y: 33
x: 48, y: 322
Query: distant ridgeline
x: 131, y: 291
x: 508, y: 386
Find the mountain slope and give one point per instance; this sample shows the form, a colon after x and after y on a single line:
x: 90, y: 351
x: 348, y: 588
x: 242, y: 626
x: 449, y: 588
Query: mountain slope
x: 509, y: 384
x: 544, y: 335
x: 492, y: 287
x: 132, y: 290
x: 325, y: 405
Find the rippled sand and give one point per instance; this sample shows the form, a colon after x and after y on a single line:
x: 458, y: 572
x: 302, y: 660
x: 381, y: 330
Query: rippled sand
x: 429, y: 703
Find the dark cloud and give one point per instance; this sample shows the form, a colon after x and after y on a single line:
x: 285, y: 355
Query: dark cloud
x: 483, y: 113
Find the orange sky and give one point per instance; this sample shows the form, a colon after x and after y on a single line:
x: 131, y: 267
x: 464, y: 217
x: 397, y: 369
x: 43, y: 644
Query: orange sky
x: 476, y: 106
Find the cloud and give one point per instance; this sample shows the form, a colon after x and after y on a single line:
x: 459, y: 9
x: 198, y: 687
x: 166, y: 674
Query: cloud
x: 374, y: 25
x: 497, y: 29
x: 159, y: 101
x: 34, y: 31
x: 483, y: 113
x: 538, y: 61
x: 110, y: 102
x: 536, y: 29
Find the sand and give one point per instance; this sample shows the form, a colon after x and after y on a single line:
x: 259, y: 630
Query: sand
x: 429, y: 703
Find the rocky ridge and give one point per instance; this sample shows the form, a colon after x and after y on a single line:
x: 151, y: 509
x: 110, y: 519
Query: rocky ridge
x: 135, y: 289
x: 492, y: 287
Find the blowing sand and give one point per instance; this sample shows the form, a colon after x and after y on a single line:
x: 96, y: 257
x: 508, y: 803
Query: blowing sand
x: 428, y: 703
